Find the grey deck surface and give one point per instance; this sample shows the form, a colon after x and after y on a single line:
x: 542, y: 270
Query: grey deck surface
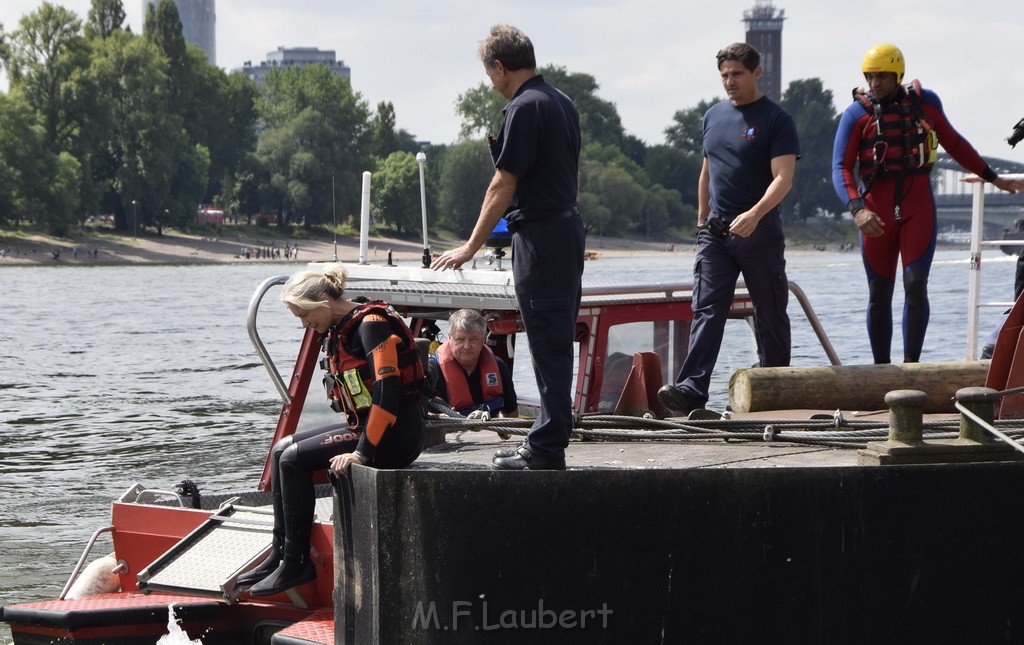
x: 474, y: 450
x: 468, y: 450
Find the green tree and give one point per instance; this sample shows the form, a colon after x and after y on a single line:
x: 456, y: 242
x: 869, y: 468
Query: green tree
x: 613, y: 198
x: 26, y: 164
x: 396, y: 192
x: 596, y: 215
x: 105, y: 17
x: 675, y: 169
x: 635, y: 149
x: 316, y: 128
x: 187, y: 186
x: 45, y: 52
x: 218, y: 114
x: 101, y: 90
x: 232, y: 139
x: 687, y: 131
x: 407, y: 141
x: 663, y: 207
x: 813, y: 109
x: 625, y: 186
x: 480, y: 108
x: 466, y: 170
x: 383, y: 138
x: 294, y: 170
x: 599, y: 119
x: 50, y: 63
x: 5, y: 50
x: 154, y: 163
x: 90, y: 144
x: 46, y: 58
x: 598, y: 165
x: 242, y: 196
x: 63, y: 195
x: 221, y: 118
x: 163, y: 28
x: 609, y: 155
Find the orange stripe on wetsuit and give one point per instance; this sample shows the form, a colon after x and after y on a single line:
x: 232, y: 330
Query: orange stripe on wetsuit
x: 386, y: 384
x: 374, y: 399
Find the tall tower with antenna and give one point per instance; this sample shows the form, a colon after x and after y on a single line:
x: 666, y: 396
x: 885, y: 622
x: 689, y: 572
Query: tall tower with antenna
x: 764, y: 31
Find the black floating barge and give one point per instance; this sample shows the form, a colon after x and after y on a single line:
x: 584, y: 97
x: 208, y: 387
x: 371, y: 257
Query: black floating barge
x: 740, y: 544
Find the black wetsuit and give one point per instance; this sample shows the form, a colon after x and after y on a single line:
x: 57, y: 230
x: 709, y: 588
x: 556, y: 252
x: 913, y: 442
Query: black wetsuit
x: 295, y: 458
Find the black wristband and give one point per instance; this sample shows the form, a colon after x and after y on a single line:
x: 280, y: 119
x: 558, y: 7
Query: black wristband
x: 855, y: 206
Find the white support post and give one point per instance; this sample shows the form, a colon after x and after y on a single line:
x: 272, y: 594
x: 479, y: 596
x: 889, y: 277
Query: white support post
x: 421, y: 159
x: 974, y: 278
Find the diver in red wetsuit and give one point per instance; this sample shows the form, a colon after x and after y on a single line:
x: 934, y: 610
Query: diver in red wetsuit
x: 884, y: 150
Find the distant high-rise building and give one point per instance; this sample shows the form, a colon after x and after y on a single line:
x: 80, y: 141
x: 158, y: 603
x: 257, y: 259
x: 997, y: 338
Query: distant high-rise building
x: 764, y: 31
x: 198, y: 23
x: 294, y: 57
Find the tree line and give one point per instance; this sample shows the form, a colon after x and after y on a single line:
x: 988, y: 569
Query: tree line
x: 98, y: 120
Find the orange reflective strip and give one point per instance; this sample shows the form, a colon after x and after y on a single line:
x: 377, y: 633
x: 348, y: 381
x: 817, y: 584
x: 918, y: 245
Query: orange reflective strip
x: 378, y: 423
x: 385, y: 364
x: 385, y: 358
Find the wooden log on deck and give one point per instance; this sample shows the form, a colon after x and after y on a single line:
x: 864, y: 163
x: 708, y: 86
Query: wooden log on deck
x: 850, y: 387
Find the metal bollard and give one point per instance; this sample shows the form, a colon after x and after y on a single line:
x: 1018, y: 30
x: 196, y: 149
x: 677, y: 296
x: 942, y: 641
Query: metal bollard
x: 981, y: 401
x: 906, y: 415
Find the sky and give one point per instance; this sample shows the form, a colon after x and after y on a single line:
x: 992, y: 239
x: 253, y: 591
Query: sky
x: 651, y: 58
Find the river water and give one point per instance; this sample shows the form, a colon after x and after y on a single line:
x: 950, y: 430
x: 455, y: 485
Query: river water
x: 116, y: 375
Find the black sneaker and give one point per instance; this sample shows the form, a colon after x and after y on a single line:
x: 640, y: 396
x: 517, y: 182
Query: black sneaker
x: 504, y: 453
x: 674, y: 399
x: 525, y: 459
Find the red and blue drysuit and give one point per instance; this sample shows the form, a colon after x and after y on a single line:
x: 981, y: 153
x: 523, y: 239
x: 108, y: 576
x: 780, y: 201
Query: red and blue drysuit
x: 889, y: 174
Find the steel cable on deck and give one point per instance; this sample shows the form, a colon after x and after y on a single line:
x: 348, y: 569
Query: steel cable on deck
x: 833, y: 432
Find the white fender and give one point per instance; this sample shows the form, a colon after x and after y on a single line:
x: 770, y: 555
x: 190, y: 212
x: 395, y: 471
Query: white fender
x: 97, y: 578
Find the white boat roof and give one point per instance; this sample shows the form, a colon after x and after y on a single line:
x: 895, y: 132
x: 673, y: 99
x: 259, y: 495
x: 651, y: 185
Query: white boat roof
x: 488, y: 289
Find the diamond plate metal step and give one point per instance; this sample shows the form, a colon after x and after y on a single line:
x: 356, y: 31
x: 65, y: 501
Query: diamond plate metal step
x: 207, y: 561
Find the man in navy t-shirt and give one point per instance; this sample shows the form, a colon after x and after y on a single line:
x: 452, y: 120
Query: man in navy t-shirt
x: 536, y: 160
x: 750, y: 153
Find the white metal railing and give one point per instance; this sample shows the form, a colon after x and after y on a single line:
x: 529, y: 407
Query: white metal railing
x: 974, y: 277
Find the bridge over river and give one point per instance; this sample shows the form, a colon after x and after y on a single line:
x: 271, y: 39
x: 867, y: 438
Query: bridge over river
x: 953, y: 197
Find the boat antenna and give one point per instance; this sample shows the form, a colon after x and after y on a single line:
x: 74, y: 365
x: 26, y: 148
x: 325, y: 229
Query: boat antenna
x: 334, y: 214
x: 421, y: 159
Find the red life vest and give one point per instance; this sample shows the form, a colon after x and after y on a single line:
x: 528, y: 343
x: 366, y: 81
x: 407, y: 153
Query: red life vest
x: 898, y: 139
x: 457, y: 384
x: 349, y: 380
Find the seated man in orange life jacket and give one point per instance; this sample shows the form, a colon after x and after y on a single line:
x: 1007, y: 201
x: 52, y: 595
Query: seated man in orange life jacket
x: 466, y: 373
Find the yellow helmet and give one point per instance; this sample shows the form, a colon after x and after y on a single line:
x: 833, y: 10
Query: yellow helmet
x: 884, y: 58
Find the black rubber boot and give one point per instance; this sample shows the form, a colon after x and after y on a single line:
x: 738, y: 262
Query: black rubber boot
x: 265, y: 568
x: 295, y: 569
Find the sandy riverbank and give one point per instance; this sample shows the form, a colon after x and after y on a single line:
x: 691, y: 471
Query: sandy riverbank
x: 174, y: 247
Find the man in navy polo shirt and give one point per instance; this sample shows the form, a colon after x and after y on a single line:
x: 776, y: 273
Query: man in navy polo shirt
x: 536, y: 180
x: 750, y: 153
